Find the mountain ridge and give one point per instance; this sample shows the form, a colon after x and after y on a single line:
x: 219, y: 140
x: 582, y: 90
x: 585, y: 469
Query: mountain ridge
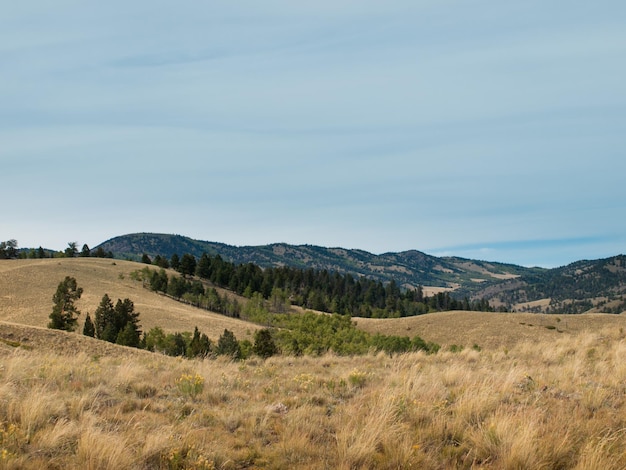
x: 584, y: 285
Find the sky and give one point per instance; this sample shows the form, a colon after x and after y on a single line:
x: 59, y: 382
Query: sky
x: 482, y: 129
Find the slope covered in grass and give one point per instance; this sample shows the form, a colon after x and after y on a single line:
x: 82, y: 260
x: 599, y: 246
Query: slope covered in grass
x: 549, y: 404
x: 27, y: 287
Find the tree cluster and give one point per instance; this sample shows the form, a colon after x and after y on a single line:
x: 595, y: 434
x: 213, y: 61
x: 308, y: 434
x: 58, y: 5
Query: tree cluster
x: 115, y: 324
x: 188, y: 291
x: 319, y: 290
x: 8, y: 249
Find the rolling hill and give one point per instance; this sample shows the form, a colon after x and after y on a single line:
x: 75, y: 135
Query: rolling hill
x: 27, y: 287
x: 595, y: 285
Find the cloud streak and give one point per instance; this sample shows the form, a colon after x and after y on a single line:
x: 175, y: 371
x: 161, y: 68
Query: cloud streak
x: 412, y: 125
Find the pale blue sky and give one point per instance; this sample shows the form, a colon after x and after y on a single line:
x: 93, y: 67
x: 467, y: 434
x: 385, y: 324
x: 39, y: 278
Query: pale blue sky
x: 484, y: 129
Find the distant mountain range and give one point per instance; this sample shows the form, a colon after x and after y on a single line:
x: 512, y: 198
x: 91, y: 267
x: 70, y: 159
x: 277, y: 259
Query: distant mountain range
x: 596, y: 285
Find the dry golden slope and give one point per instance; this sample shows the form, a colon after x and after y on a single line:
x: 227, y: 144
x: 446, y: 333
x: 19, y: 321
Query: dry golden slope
x: 491, y: 330
x: 27, y: 287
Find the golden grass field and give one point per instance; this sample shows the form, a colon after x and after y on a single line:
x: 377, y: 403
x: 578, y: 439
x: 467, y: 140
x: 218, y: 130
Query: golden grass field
x: 532, y: 398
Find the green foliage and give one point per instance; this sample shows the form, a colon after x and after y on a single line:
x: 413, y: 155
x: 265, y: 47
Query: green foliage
x: 175, y: 261
x: 72, y: 250
x: 315, y: 334
x: 129, y: 336
x: 228, y: 345
x: 105, y: 317
x: 200, y: 345
x: 264, y: 345
x: 8, y: 249
x: 187, y: 265
x: 117, y: 324
x: 64, y: 312
x: 178, y: 343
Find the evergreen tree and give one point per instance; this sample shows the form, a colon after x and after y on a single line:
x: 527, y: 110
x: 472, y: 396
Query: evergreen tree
x: 228, y: 345
x: 8, y: 249
x: 127, y: 318
x: 200, y: 344
x: 175, y: 262
x: 264, y: 345
x: 129, y: 336
x: 85, y: 252
x: 203, y: 269
x: 105, y: 317
x: 71, y: 251
x: 64, y: 312
x: 187, y: 265
x: 119, y: 324
x: 89, y: 328
x: 146, y: 259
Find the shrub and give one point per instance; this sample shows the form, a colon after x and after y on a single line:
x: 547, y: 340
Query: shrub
x: 190, y: 385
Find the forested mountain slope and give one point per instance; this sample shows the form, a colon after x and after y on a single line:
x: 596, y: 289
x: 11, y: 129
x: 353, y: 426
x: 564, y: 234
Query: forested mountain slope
x: 596, y: 285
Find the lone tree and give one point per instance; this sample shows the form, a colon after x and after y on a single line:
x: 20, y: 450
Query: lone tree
x: 85, y: 252
x: 71, y: 251
x: 64, y: 313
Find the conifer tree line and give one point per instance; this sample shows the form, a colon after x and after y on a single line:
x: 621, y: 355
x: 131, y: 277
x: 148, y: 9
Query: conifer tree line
x: 9, y: 250
x: 319, y: 290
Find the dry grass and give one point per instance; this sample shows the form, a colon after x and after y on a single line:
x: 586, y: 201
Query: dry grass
x: 554, y: 404
x: 491, y: 330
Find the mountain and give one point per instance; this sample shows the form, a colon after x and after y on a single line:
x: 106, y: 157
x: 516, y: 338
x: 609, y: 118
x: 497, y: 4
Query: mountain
x: 578, y: 287
x: 409, y: 268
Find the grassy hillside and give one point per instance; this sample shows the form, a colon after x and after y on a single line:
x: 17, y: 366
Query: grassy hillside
x: 491, y: 330
x: 546, y: 404
x: 27, y: 287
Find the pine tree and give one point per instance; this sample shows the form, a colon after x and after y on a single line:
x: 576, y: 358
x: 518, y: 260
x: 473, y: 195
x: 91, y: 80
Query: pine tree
x: 200, y: 345
x: 129, y: 336
x: 64, y: 312
x: 187, y: 265
x: 228, y: 345
x: 264, y: 345
x: 105, y: 314
x: 89, y: 328
x: 175, y: 261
